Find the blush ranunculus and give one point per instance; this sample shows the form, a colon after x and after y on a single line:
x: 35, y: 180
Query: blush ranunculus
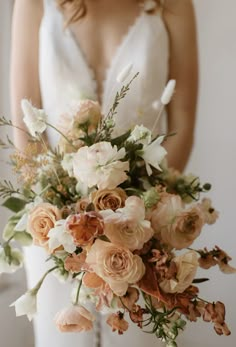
x: 42, y: 219
x: 85, y: 227
x: 74, y: 319
x: 117, y: 266
x: 100, y: 165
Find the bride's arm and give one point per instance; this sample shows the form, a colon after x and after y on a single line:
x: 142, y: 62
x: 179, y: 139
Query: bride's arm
x: 180, y: 22
x: 24, y: 60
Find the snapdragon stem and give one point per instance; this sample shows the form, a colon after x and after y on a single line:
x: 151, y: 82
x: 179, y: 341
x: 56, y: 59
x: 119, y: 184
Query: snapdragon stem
x: 158, y: 118
x: 59, y: 132
x: 78, y: 291
x: 39, y: 284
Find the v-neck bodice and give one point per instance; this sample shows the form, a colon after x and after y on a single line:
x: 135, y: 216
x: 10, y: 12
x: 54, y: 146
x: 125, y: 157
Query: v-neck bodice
x: 65, y: 75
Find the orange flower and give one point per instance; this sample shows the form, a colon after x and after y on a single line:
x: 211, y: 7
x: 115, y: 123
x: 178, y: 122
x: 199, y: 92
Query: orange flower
x: 74, y: 319
x: 75, y: 262
x: 41, y: 220
x: 85, y: 227
x: 129, y: 299
x: 117, y: 322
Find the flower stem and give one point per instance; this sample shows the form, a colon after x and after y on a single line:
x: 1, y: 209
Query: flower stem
x: 39, y: 284
x: 59, y: 132
x: 78, y: 291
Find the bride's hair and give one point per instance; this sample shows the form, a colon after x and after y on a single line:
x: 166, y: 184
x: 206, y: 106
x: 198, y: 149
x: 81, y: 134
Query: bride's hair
x: 78, y: 8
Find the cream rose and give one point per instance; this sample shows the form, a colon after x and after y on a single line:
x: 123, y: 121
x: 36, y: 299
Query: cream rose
x: 41, y: 220
x: 185, y: 229
x: 108, y: 199
x: 127, y: 226
x: 117, y: 266
x: 187, y: 265
x: 165, y: 212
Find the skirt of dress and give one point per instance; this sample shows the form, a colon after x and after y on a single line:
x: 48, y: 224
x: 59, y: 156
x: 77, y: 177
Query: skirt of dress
x: 53, y: 296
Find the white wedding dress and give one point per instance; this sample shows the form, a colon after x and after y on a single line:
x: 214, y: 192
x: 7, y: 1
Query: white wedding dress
x: 65, y: 76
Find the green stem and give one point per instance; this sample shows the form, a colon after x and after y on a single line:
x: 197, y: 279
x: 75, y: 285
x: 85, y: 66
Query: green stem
x: 59, y: 132
x: 39, y: 284
x: 78, y: 291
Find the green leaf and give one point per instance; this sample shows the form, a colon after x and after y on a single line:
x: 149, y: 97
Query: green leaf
x: 8, y: 230
x: 24, y: 238
x: 14, y: 204
x: 120, y: 139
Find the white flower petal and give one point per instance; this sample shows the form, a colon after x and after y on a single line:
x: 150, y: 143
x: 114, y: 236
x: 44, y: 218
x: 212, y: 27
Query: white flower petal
x: 26, y: 305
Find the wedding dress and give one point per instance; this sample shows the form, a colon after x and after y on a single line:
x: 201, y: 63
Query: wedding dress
x: 65, y: 76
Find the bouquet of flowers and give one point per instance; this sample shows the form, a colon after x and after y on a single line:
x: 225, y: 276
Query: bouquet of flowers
x: 115, y: 221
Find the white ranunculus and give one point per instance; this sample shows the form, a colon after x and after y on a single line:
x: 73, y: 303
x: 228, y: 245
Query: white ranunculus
x: 58, y: 236
x: 153, y: 154
x: 34, y: 118
x: 100, y: 165
x: 11, y: 263
x: 140, y: 134
x: 67, y: 163
x: 26, y: 305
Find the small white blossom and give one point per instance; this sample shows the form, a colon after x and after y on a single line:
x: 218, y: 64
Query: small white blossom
x: 67, y: 163
x: 153, y: 154
x: 58, y: 236
x: 11, y: 263
x: 26, y: 305
x: 34, y: 118
x: 140, y: 134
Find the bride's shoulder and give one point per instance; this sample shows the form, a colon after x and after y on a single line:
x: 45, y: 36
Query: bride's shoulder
x: 177, y: 7
x: 178, y: 13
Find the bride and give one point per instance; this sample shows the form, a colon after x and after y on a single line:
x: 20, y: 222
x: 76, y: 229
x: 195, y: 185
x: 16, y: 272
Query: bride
x: 65, y: 50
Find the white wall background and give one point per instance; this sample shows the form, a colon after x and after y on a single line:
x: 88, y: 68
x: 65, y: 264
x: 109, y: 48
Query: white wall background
x: 213, y: 159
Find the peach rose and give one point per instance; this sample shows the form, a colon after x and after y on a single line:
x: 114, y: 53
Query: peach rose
x: 82, y: 112
x: 116, y: 265
x: 106, y: 199
x: 127, y: 226
x: 85, y: 227
x: 42, y: 219
x: 187, y: 265
x: 74, y: 319
x: 185, y: 229
x: 117, y: 322
x: 165, y: 212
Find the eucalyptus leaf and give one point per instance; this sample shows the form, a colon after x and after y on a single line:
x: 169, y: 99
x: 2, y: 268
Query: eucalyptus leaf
x: 24, y: 238
x: 14, y: 204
